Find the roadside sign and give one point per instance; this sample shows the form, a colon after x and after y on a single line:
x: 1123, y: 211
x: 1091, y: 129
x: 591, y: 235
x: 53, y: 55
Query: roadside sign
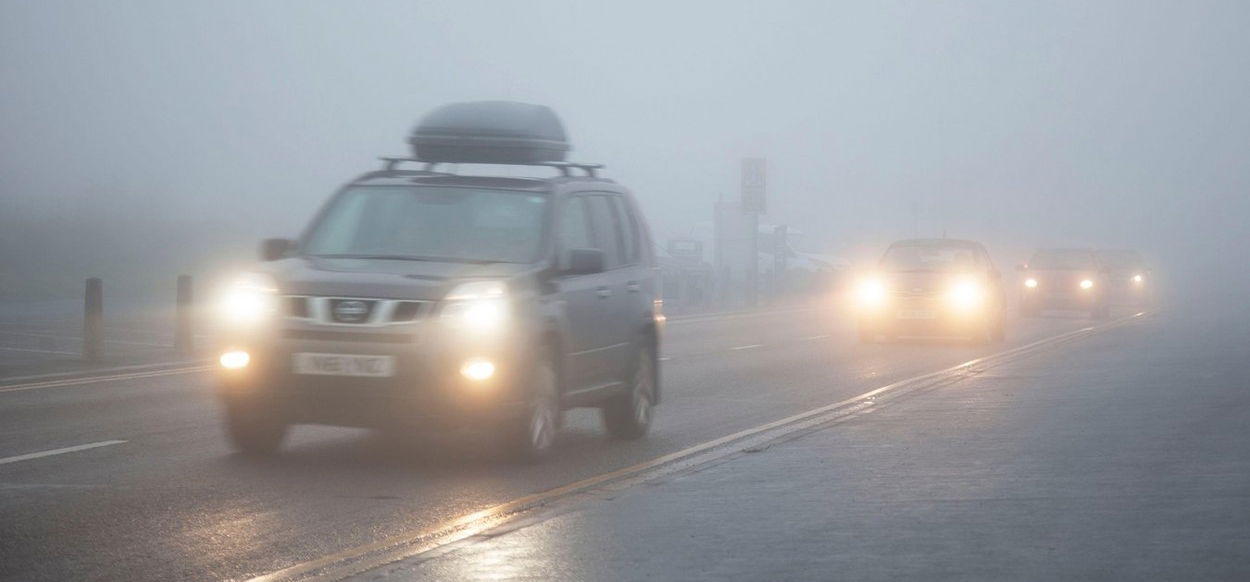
x: 754, y: 179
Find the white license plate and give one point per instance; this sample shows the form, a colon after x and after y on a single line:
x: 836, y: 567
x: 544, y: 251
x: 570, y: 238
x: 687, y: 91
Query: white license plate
x: 917, y: 314
x: 343, y: 365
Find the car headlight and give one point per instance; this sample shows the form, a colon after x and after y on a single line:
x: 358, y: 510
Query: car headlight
x: 871, y: 293
x: 1031, y: 283
x: 1137, y: 279
x: 250, y: 300
x: 1087, y: 284
x: 477, y: 305
x: 966, y: 295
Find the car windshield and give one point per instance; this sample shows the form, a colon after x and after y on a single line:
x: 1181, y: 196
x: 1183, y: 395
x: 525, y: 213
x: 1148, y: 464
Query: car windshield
x: 928, y: 257
x: 430, y: 223
x: 1062, y: 259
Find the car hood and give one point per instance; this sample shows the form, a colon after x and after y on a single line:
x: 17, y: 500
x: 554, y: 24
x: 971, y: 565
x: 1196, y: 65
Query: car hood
x: 383, y: 278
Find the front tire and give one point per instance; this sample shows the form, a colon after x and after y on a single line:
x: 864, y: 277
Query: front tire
x: 532, y: 437
x: 254, y: 433
x: 628, y: 416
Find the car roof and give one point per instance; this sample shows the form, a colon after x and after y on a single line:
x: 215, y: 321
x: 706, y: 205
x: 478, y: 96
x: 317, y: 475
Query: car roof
x: 952, y: 242
x: 427, y: 178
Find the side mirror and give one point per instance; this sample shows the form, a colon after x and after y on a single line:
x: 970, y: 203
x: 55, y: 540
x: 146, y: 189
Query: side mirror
x: 272, y: 249
x: 583, y: 262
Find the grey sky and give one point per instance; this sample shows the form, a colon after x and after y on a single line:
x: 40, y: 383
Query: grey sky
x: 1024, y: 124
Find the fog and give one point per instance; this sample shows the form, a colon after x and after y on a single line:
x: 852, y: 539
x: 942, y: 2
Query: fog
x: 139, y: 140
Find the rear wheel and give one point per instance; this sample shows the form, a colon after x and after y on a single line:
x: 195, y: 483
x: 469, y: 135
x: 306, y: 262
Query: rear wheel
x: 629, y: 416
x: 253, y: 432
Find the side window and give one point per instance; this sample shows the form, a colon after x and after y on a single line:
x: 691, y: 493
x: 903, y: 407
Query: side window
x: 607, y: 230
x: 575, y: 230
x: 629, y: 227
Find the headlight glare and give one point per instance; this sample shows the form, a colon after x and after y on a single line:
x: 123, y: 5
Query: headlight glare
x: 1031, y: 283
x: 1087, y: 284
x: 251, y: 299
x: 478, y: 305
x: 966, y: 295
x: 871, y: 293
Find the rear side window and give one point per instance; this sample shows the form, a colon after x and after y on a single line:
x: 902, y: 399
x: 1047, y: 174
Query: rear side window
x: 629, y: 226
x: 575, y: 232
x: 608, y: 230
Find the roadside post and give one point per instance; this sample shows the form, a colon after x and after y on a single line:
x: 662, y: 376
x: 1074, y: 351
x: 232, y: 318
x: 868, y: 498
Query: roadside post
x: 93, y: 321
x: 184, y: 332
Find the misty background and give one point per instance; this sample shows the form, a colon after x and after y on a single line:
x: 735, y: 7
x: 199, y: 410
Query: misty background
x: 143, y: 139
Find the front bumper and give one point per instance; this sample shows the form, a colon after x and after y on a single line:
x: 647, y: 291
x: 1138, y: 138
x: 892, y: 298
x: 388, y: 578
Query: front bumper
x: 922, y: 316
x: 426, y: 389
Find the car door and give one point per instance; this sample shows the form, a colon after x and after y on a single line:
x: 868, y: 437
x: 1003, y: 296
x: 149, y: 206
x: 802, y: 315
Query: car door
x: 586, y: 299
x: 621, y: 282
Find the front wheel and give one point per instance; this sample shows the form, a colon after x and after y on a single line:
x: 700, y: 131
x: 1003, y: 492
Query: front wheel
x: 532, y: 437
x: 254, y: 433
x: 629, y: 416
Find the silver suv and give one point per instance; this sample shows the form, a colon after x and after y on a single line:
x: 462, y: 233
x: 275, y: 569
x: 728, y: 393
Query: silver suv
x: 420, y: 301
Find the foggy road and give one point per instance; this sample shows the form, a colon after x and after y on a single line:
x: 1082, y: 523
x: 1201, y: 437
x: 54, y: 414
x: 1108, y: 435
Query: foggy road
x: 159, y: 496
x: 1120, y: 456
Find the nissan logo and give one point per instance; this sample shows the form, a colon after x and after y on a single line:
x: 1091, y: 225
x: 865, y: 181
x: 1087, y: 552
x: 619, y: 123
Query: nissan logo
x: 351, y: 311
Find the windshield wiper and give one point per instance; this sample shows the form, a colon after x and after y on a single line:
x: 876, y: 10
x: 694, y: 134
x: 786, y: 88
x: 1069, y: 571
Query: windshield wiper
x: 407, y: 258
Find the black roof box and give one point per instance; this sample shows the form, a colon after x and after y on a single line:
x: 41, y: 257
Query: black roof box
x: 490, y: 132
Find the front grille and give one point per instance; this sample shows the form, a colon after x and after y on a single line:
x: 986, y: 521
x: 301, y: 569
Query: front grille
x: 348, y: 336
x: 352, y: 310
x: 406, y: 311
x: 297, y: 307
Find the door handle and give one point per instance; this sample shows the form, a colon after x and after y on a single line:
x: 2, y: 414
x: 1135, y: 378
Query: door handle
x: 633, y: 287
x: 603, y: 292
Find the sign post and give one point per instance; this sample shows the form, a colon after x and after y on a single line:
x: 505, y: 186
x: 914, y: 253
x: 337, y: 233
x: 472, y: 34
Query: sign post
x: 754, y: 203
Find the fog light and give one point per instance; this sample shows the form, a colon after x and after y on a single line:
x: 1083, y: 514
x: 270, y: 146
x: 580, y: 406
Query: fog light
x: 1030, y: 283
x: 1087, y: 284
x: 235, y: 360
x: 478, y: 369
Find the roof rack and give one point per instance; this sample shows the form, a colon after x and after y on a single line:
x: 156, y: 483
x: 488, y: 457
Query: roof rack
x: 591, y: 170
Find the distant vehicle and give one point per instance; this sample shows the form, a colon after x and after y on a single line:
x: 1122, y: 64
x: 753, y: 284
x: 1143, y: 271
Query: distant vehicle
x: 932, y: 287
x: 421, y: 301
x: 1130, y: 279
x: 1068, y: 279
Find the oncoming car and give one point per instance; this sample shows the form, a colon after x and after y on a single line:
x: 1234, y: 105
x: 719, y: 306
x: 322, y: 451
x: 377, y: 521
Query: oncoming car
x: 1130, y: 279
x: 421, y: 301
x: 932, y: 287
x: 1067, y: 279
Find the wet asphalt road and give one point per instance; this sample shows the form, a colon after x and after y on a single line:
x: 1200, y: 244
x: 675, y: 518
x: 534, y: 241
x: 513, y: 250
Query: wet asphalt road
x: 171, y: 502
x: 1120, y: 456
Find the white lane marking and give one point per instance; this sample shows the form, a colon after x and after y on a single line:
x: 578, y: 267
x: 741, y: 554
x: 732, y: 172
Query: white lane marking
x: 61, y: 451
x: 817, y: 337
x: 8, y: 349
x: 666, y: 358
x: 78, y: 339
x: 747, y: 347
x: 724, y: 315
x: 96, y: 379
